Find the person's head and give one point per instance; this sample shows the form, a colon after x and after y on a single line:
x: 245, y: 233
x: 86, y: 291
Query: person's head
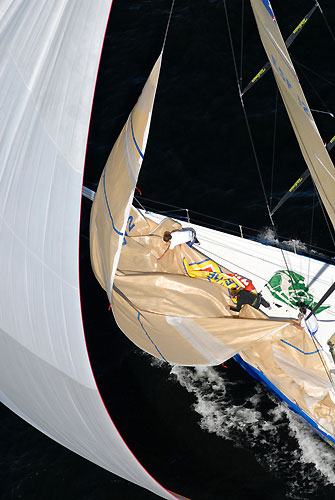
x: 167, y: 236
x: 302, y: 307
x: 234, y: 292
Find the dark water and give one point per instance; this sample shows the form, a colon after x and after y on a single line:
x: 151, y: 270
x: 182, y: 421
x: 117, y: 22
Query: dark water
x: 212, y: 433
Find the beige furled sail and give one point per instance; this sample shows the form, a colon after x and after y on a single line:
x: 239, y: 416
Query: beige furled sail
x: 114, y: 195
x: 175, y: 317
x: 312, y: 147
x: 167, y: 313
x: 295, y: 365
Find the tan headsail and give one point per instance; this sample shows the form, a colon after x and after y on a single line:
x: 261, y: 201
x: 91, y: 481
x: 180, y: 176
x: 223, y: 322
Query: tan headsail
x: 163, y: 310
x: 312, y: 147
x: 172, y: 316
x: 111, y: 207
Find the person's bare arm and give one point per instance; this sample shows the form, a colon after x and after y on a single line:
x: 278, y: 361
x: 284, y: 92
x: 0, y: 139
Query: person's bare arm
x: 165, y: 253
x: 297, y: 325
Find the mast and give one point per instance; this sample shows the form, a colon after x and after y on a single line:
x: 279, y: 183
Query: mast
x: 312, y: 147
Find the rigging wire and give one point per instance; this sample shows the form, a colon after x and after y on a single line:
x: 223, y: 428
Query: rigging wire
x: 316, y: 92
x: 321, y: 77
x: 168, y: 25
x: 274, y: 149
x: 325, y: 112
x: 242, y: 33
x: 140, y: 204
x: 218, y: 226
x: 324, y: 215
x: 245, y: 114
x: 325, y: 20
x: 318, y: 346
x: 310, y: 239
x: 253, y: 145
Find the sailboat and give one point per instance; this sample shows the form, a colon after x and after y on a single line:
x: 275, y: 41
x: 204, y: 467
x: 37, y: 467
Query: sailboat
x: 49, y: 59
x: 177, y: 308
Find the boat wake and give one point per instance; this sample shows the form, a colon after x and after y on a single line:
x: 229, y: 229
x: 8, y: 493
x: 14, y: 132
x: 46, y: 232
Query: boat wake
x: 280, y: 441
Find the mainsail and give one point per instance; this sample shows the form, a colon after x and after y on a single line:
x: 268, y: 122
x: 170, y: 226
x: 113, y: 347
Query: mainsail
x: 312, y: 147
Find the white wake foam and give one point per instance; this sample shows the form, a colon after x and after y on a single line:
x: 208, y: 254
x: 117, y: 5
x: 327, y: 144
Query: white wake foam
x: 280, y: 440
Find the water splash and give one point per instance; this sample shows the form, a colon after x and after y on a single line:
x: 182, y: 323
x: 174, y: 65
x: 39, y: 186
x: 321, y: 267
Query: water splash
x: 268, y: 235
x: 313, y: 450
x: 279, y: 439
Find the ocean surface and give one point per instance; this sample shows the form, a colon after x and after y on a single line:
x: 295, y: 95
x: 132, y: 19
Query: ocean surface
x: 210, y: 433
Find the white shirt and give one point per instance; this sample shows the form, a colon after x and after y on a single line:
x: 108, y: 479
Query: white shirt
x: 311, y: 325
x: 182, y: 236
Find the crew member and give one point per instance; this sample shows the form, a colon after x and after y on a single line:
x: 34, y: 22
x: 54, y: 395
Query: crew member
x: 175, y: 238
x: 244, y: 297
x: 311, y: 324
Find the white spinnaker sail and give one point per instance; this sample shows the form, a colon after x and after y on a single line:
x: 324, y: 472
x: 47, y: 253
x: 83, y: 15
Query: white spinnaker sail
x: 49, y: 56
x: 312, y: 147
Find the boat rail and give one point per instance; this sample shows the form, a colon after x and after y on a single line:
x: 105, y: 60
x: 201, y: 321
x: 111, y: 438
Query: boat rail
x: 267, y: 235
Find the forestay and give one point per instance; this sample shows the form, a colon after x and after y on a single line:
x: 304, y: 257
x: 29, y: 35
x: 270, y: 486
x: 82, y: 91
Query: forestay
x: 310, y: 142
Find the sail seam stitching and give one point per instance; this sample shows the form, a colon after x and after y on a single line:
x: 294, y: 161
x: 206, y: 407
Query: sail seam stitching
x: 153, y: 343
x: 110, y: 215
x: 297, y: 348
x: 132, y: 132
